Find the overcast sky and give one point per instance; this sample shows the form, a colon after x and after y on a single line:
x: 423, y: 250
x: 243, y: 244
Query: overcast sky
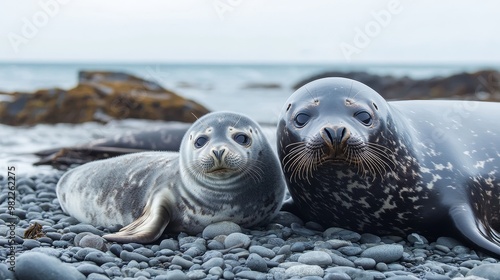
x: 387, y: 31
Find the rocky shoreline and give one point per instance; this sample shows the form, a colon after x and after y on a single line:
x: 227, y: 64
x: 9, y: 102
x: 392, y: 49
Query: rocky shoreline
x: 99, y: 96
x: 482, y: 85
x: 288, y: 248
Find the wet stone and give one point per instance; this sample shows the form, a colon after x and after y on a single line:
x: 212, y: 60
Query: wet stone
x: 217, y: 271
x: 256, y: 263
x: 365, y: 263
x: 337, y: 276
x: 350, y: 250
x: 487, y: 271
x: 45, y: 267
x: 145, y: 252
x: 116, y: 249
x: 92, y: 241
x: 215, y: 245
x: 85, y: 228
x: 316, y: 258
x: 88, y: 268
x: 448, y: 242
x: 213, y: 263
x: 337, y: 243
x: 220, y: 228
x: 54, y: 235
x: 196, y: 274
x: 300, y: 230
x: 237, y: 239
x: 304, y: 270
x: 341, y: 261
x: 298, y: 247
x: 262, y: 251
x: 129, y: 256
x: 177, y: 275
x: 369, y: 238
x: 185, y: 264
x: 30, y: 244
x: 48, y: 251
x: 384, y: 253
x: 99, y: 258
x: 96, y: 276
x: 442, y: 248
x: 252, y: 275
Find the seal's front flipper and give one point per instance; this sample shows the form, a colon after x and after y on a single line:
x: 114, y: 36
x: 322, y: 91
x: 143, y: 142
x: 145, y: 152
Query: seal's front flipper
x: 148, y: 227
x: 474, y: 230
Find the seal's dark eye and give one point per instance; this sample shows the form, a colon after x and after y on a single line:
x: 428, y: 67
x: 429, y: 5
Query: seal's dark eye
x: 301, y: 119
x: 364, y: 117
x: 200, y: 142
x: 241, y: 139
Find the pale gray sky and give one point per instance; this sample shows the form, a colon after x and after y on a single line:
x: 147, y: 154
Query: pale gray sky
x: 385, y: 31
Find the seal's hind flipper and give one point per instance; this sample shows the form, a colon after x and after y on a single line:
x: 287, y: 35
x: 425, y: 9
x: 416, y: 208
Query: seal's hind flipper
x: 148, y: 227
x: 474, y: 230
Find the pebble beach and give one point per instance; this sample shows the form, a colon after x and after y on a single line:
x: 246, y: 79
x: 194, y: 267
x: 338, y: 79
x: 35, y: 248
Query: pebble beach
x: 288, y: 248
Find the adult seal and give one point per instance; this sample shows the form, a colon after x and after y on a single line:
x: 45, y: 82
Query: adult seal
x: 225, y: 171
x: 351, y: 159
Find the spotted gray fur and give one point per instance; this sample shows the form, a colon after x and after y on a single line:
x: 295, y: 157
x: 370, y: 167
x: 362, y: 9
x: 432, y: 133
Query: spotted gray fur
x: 439, y: 171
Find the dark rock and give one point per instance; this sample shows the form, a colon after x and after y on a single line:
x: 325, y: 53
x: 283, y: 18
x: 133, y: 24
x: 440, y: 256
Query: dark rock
x: 220, y: 228
x: 482, y: 85
x: 448, y: 242
x: 316, y: 257
x: 99, y: 96
x: 256, y: 263
x: 93, y: 241
x: 384, y: 253
x: 487, y: 271
x: 5, y: 273
x: 237, y: 239
x: 262, y: 251
x: 128, y: 256
x: 34, y: 266
x: 169, y: 244
x: 253, y: 275
x: 88, y: 268
x: 85, y: 228
x: 99, y: 258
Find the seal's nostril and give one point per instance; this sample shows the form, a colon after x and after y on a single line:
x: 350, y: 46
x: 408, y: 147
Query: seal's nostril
x: 218, y: 154
x: 330, y: 133
x: 336, y: 134
x: 343, y: 131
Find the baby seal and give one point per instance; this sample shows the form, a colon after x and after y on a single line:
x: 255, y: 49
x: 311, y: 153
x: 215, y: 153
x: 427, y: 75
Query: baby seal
x: 225, y: 171
x: 351, y: 159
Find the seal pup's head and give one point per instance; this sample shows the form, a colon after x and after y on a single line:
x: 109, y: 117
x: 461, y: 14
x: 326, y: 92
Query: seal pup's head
x: 223, y: 147
x: 334, y: 121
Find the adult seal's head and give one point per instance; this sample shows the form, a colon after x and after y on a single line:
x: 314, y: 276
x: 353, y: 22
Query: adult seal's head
x: 352, y: 159
x: 337, y: 122
x: 225, y: 171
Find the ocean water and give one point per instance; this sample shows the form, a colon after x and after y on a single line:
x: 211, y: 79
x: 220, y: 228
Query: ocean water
x: 258, y: 91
